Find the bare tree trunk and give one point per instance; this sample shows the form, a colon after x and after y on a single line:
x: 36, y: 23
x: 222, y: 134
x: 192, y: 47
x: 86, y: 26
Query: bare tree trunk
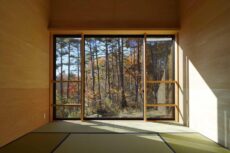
x: 92, y: 69
x: 131, y: 63
x: 78, y: 66
x: 113, y: 75
x: 154, y: 74
x: 107, y: 68
x: 68, y: 71
x: 136, y: 78
x: 123, y: 99
x: 106, y: 65
x: 98, y: 80
x: 138, y: 70
x: 61, y: 83
x: 117, y: 69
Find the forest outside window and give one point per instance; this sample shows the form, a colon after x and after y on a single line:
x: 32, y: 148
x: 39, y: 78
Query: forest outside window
x: 67, y: 70
x: 114, y: 84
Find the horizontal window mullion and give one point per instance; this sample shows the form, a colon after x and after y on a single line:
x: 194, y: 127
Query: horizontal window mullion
x: 160, y: 105
x: 160, y: 81
x: 57, y: 81
x: 63, y: 105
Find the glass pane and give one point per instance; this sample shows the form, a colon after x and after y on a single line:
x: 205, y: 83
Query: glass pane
x: 68, y: 93
x: 68, y: 69
x: 159, y: 58
x: 113, y: 77
x: 160, y: 112
x: 68, y: 112
x: 68, y: 62
x: 160, y: 93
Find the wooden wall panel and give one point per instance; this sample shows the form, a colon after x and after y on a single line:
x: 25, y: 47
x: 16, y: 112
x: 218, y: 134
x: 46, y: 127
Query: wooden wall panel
x: 22, y: 110
x: 204, y: 40
x: 24, y: 67
x: 124, y: 14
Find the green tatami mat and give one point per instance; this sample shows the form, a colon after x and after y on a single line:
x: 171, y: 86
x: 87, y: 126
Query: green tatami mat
x: 86, y: 127
x: 34, y: 143
x: 113, y: 143
x: 68, y: 127
x: 192, y: 143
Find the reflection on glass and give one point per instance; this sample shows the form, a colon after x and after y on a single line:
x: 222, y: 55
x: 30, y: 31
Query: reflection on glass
x: 67, y: 112
x: 159, y: 58
x: 161, y: 112
x: 160, y: 93
x: 159, y: 67
x: 113, y: 67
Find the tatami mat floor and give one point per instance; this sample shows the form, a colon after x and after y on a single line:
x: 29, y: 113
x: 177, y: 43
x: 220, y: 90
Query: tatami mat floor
x: 113, y: 137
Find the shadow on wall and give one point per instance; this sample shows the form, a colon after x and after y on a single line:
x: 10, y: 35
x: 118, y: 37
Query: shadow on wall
x: 205, y: 109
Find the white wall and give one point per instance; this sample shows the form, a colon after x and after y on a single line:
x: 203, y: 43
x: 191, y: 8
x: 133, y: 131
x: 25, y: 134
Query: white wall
x: 204, y: 40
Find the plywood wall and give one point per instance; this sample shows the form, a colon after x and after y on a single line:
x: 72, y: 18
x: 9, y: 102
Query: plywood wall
x: 107, y: 14
x: 24, y: 67
x: 205, y: 43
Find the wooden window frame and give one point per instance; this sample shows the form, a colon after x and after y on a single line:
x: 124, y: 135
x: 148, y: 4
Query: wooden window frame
x: 173, y: 81
x: 54, y: 81
x: 82, y: 33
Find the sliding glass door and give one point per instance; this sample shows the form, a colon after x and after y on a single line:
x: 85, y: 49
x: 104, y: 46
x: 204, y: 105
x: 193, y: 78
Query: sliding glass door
x: 67, y: 77
x: 159, y: 63
x: 113, y: 77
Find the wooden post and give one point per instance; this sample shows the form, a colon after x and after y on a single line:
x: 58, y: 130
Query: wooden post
x: 51, y: 56
x: 145, y: 91
x: 82, y: 77
x: 177, y: 78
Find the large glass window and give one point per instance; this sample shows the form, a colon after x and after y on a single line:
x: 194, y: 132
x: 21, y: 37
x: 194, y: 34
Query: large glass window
x: 113, y: 83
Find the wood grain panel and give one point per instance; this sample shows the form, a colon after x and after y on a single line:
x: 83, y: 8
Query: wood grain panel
x: 114, y: 14
x: 24, y: 67
x: 21, y: 111
x: 24, y: 44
